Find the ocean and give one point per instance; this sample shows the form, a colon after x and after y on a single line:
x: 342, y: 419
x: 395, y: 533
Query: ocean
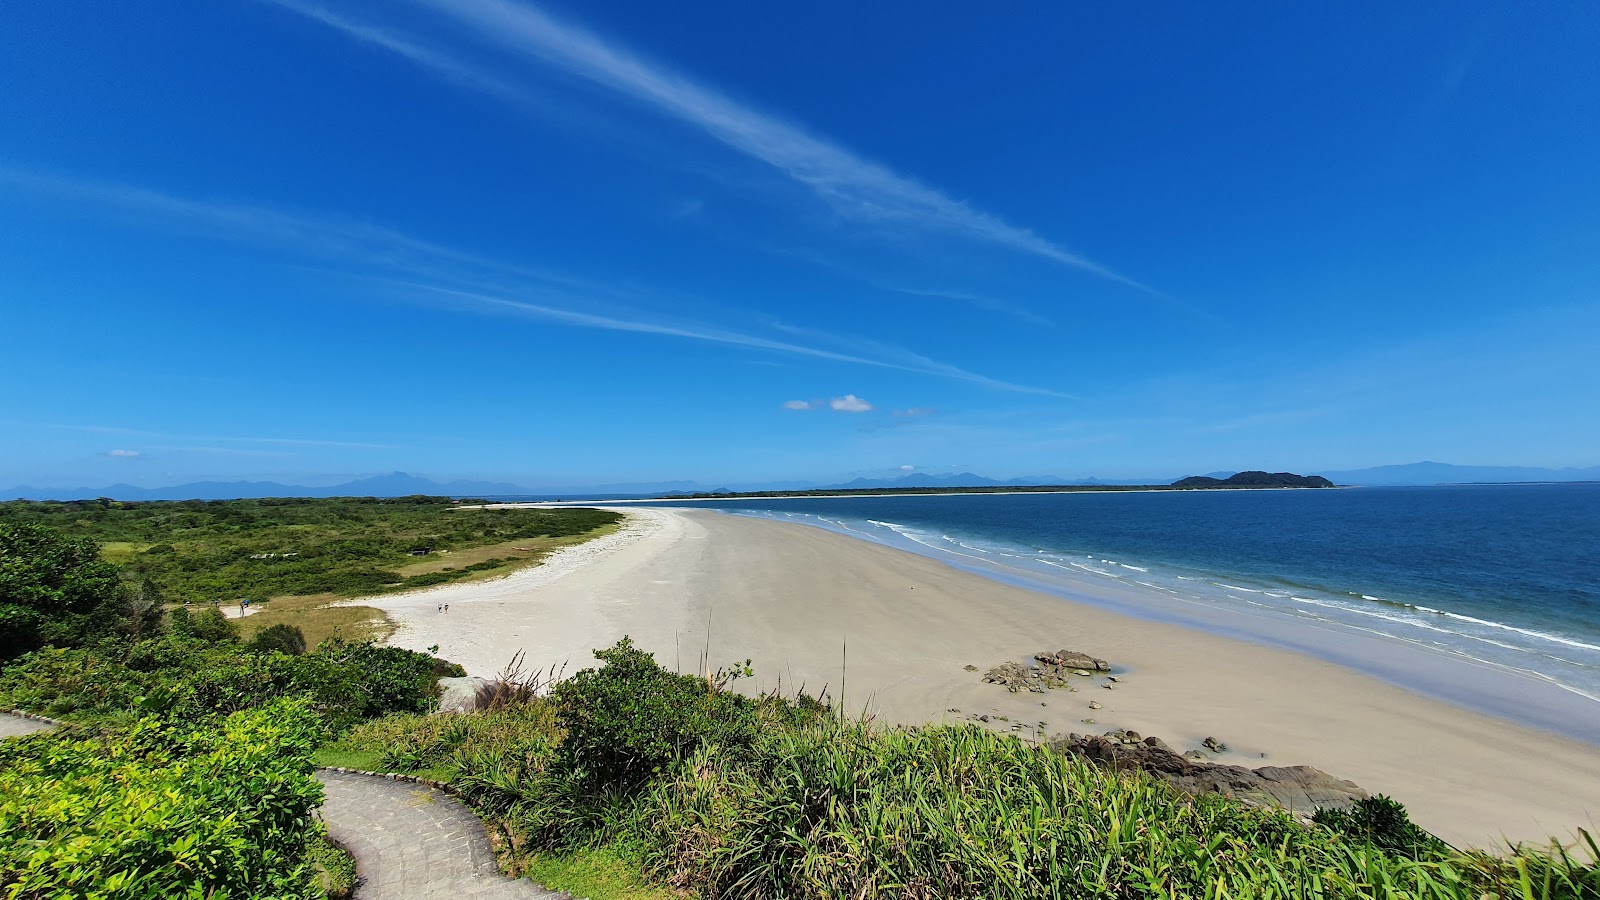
x: 1397, y: 581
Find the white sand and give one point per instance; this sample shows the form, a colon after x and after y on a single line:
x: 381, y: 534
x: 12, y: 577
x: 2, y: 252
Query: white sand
x: 789, y: 596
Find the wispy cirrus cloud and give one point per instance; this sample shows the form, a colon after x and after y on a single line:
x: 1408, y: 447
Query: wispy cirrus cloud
x: 895, y: 358
x: 852, y: 184
x: 124, y: 454
x: 392, y: 260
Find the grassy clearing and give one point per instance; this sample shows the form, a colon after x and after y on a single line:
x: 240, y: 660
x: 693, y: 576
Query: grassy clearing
x: 317, y: 620
x: 513, y: 555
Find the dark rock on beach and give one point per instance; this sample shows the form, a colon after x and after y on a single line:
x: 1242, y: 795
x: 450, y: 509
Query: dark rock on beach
x: 1050, y: 669
x: 1299, y: 789
x: 1070, y: 660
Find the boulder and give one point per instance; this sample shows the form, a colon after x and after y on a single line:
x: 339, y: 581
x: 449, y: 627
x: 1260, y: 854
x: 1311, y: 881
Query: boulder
x: 1299, y: 789
x: 1071, y: 659
x: 460, y: 695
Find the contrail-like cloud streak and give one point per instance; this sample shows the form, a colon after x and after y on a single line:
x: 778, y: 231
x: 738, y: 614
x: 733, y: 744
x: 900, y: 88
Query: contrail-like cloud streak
x: 856, y: 186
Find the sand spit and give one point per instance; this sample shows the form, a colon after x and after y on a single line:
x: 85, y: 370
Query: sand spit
x: 810, y: 607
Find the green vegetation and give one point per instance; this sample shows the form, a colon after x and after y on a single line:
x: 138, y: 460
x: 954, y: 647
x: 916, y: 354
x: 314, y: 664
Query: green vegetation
x: 721, y: 795
x: 222, y: 551
x: 185, y: 677
x: 163, y: 809
x: 189, y: 773
x: 332, y: 866
x: 55, y: 590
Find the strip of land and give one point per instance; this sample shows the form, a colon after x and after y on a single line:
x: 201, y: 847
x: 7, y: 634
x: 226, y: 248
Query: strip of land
x: 892, y: 632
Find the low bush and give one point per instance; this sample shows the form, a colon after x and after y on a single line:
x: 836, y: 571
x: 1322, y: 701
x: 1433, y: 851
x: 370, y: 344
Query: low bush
x: 627, y: 720
x: 1382, y: 822
x: 163, y: 810
x: 280, y: 638
x: 179, y: 677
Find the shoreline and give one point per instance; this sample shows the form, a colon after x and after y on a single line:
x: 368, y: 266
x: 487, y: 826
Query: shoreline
x: 1521, y: 696
x: 1108, y: 489
x: 693, y: 584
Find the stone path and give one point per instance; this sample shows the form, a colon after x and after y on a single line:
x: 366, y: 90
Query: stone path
x: 411, y: 841
x: 16, y: 726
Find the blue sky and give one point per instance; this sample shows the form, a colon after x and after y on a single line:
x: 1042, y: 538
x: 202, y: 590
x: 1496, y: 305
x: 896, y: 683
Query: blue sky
x: 576, y: 243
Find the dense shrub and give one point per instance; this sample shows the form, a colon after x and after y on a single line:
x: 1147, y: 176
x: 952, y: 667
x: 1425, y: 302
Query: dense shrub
x: 193, y: 680
x: 628, y: 719
x: 162, y: 810
x: 280, y: 638
x: 55, y: 591
x: 205, y: 624
x: 1382, y: 822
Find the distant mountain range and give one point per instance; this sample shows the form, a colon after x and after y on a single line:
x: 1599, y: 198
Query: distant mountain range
x: 1424, y: 473
x: 400, y: 484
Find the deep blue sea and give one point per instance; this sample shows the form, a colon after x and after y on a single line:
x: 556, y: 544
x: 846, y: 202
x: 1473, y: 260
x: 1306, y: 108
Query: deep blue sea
x: 1506, y: 577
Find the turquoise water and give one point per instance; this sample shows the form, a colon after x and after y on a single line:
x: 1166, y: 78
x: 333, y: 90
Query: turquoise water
x: 1502, y: 578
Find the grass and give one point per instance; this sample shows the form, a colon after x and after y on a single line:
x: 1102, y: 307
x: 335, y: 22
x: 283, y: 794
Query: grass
x: 595, y: 874
x: 317, y: 620
x: 513, y: 555
x: 333, y: 868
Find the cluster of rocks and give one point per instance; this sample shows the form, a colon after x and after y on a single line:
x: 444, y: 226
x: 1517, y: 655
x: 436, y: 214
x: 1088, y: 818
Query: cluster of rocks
x: 1049, y: 669
x: 1299, y: 789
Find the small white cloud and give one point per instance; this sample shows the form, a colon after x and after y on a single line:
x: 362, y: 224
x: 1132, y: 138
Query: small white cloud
x: 908, y: 468
x: 850, y: 403
x: 914, y: 412
x: 126, y: 454
x: 798, y: 404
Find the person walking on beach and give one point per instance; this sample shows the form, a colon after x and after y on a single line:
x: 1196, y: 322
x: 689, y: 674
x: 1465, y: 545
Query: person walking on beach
x: 447, y: 607
x: 440, y: 608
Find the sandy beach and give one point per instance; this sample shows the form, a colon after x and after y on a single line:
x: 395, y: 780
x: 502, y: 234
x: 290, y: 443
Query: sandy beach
x: 792, y: 597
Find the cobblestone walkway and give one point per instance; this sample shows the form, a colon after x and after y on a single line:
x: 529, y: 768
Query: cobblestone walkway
x: 16, y: 726
x: 413, y: 842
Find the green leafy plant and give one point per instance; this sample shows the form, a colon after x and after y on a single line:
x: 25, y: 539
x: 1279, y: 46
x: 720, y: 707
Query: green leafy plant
x: 628, y: 719
x: 1383, y: 822
x: 162, y: 809
x: 55, y: 590
x: 280, y: 638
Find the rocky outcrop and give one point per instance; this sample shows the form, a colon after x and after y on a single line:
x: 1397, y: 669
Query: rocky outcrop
x: 460, y: 695
x: 1299, y: 789
x: 1049, y: 669
x: 1071, y: 660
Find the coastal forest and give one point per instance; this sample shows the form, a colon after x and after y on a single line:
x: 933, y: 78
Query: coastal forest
x: 183, y: 762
